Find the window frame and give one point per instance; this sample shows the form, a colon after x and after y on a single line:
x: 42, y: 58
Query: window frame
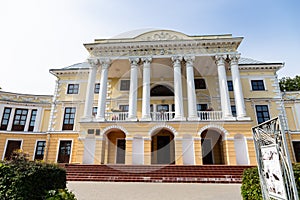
x: 4, y: 127
x: 230, y: 86
x: 31, y: 120
x: 233, y: 111
x: 35, y: 149
x: 258, y: 81
x: 120, y: 87
x: 200, y: 104
x: 69, y: 126
x: 256, y: 113
x: 19, y: 126
x: 58, y: 148
x: 74, y: 90
x: 205, y: 86
x: 97, y: 88
x: 123, y: 105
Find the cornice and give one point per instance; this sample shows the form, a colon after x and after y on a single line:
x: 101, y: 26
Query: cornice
x: 21, y: 99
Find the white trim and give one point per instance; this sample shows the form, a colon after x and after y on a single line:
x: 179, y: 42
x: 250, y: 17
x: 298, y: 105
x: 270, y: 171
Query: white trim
x: 38, y: 140
x: 237, y: 137
x: 257, y: 79
x: 57, y: 149
x: 254, y: 105
x: 105, y: 130
x: 161, y: 126
x: 224, y: 133
x: 11, y: 139
x: 67, y: 88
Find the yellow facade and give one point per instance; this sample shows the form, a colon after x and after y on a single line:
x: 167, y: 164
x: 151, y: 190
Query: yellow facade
x: 211, y: 139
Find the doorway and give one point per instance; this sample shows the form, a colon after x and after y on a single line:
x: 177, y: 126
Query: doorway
x: 11, y: 146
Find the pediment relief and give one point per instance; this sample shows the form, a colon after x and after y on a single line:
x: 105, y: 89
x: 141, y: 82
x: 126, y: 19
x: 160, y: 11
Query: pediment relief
x: 161, y: 36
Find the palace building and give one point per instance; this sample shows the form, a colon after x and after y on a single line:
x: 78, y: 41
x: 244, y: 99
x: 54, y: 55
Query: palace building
x: 152, y: 97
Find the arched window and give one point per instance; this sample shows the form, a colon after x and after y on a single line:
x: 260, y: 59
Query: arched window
x: 161, y: 90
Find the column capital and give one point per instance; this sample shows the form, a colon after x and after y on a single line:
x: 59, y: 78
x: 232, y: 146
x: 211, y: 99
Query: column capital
x: 105, y: 62
x: 234, y: 59
x: 94, y: 62
x: 220, y: 59
x: 146, y: 60
x: 176, y: 59
x: 134, y: 60
x: 189, y: 59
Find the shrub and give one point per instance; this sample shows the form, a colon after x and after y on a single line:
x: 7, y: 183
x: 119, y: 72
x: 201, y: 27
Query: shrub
x: 22, y: 179
x: 251, y: 189
x: 60, y: 194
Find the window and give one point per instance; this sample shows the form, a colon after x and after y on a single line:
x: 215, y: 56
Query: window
x: 296, y: 145
x: 123, y: 108
x: 32, y: 120
x: 19, y: 120
x: 5, y: 118
x: 69, y: 118
x: 201, y: 107
x: 233, y: 111
x: 64, y: 151
x: 125, y: 85
x: 73, y: 88
x: 39, y: 150
x: 97, y: 88
x: 94, y: 112
x: 257, y: 85
x: 262, y: 113
x: 230, y: 85
x: 200, y: 83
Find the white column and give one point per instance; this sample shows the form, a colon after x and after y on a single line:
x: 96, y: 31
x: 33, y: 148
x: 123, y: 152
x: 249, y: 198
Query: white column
x: 146, y: 90
x: 192, y: 108
x: 237, y: 88
x: 225, y: 100
x: 11, y: 119
x: 105, y: 63
x: 28, y: 119
x: 178, y: 100
x: 133, y: 89
x: 89, y: 98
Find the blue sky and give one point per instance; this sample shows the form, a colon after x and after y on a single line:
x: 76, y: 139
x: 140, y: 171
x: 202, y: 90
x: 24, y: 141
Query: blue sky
x: 39, y: 35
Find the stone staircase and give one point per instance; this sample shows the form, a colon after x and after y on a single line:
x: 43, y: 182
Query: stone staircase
x: 156, y: 173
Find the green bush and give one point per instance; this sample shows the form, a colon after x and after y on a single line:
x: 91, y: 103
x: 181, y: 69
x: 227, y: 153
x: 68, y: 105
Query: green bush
x: 251, y: 189
x: 60, y: 194
x: 22, y: 179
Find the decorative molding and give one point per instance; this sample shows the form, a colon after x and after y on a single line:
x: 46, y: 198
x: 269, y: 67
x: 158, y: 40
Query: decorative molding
x: 114, y: 127
x: 161, y: 126
x: 219, y: 128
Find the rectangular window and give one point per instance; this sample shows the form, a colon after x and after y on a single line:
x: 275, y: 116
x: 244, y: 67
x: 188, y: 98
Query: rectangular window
x: 97, y: 88
x: 200, y: 83
x: 94, y: 112
x: 73, y: 88
x: 257, y: 85
x: 233, y: 111
x: 32, y: 120
x: 69, y: 118
x: 201, y: 107
x: 125, y: 85
x: 230, y: 85
x: 124, y: 108
x: 39, y: 150
x: 262, y: 113
x: 296, y: 145
x: 19, y: 119
x: 5, y: 118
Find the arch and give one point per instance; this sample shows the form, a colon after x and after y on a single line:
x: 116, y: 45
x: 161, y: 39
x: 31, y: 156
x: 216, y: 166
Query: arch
x: 107, y: 129
x: 241, y: 149
x: 217, y: 128
x: 161, y: 90
x: 162, y: 126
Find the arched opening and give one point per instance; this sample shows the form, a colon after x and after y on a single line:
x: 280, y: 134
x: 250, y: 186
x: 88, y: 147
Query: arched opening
x: 162, y: 147
x: 241, y: 150
x: 161, y: 90
x: 212, y: 147
x: 113, y: 147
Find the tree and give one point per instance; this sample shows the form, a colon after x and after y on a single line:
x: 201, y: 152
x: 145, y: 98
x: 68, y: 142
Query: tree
x: 290, y: 84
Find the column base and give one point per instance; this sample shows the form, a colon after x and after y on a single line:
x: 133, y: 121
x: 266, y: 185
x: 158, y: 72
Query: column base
x: 229, y: 118
x: 132, y: 119
x: 146, y: 119
x: 86, y: 119
x: 243, y: 118
x: 100, y: 119
x: 179, y: 118
x: 193, y: 118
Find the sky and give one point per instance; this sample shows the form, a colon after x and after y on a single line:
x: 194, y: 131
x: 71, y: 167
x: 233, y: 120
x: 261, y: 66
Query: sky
x: 38, y: 35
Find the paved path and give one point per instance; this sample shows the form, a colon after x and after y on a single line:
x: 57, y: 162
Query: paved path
x: 145, y: 191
